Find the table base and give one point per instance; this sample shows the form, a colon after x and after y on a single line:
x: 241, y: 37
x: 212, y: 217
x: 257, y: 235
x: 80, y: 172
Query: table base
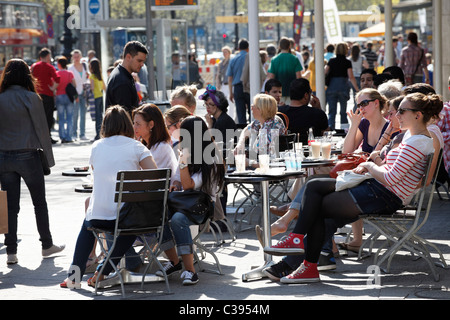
x: 257, y: 273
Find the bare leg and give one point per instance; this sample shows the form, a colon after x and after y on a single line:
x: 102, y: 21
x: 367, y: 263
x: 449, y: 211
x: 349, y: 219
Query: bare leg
x: 282, y: 223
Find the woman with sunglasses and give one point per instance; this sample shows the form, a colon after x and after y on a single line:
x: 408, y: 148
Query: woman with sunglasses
x: 173, y: 118
x: 392, y: 186
x: 367, y: 123
x: 216, y: 105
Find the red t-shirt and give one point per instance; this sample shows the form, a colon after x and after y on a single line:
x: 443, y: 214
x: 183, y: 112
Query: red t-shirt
x: 65, y: 77
x: 45, y: 74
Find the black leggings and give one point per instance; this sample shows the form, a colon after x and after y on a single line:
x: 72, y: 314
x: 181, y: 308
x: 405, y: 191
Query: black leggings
x: 321, y: 201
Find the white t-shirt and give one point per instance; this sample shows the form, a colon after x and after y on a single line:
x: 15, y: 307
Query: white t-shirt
x: 165, y: 157
x: 109, y: 156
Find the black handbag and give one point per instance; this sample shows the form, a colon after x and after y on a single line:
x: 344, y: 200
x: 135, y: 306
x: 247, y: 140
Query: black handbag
x: 44, y: 161
x: 137, y: 215
x: 196, y: 205
x: 71, y: 92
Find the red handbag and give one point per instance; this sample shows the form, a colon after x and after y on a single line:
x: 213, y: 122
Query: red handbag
x: 348, y: 161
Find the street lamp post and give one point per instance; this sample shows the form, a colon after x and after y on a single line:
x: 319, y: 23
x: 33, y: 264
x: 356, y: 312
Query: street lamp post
x: 67, y: 40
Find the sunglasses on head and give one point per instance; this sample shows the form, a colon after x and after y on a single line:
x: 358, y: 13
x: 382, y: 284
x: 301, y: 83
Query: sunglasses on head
x: 364, y: 103
x: 402, y: 110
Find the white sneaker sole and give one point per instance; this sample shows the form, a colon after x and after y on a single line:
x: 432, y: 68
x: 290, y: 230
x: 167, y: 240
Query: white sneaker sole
x: 283, y: 251
x: 306, y: 280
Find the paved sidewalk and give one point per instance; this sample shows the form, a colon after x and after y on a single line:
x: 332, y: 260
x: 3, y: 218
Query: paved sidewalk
x: 34, y: 278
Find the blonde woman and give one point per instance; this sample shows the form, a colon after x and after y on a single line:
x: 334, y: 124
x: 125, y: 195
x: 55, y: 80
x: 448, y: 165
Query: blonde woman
x: 185, y: 96
x: 173, y: 118
x: 264, y: 109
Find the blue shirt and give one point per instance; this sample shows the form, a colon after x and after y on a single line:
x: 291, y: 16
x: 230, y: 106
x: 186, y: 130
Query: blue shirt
x: 236, y: 66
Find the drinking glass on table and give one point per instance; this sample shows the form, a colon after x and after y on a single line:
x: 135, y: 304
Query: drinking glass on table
x: 264, y: 160
x: 326, y: 148
x: 239, y: 159
x: 315, y: 147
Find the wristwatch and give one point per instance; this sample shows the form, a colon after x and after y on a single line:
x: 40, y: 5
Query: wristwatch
x: 183, y: 165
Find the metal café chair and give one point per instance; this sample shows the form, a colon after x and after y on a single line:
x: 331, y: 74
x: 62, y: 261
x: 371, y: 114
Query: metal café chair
x: 138, y: 186
x: 401, y: 229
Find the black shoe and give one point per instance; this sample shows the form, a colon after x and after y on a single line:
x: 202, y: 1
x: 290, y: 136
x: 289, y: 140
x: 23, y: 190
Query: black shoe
x: 326, y: 261
x: 53, y: 141
x: 278, y: 271
x: 169, y: 268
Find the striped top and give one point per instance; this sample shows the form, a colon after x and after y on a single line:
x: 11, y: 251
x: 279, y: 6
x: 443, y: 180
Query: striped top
x: 406, y: 164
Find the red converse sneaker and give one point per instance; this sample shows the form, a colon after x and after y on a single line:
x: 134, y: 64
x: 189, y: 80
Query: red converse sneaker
x: 306, y: 273
x: 290, y: 245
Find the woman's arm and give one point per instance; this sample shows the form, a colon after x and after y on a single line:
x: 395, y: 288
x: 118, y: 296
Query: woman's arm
x: 352, y: 79
x: 354, y: 136
x: 148, y: 163
x: 186, y: 181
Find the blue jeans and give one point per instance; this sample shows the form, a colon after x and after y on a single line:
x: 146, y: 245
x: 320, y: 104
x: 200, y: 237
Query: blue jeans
x: 26, y: 165
x: 65, y: 117
x: 98, y: 116
x: 79, y: 110
x: 85, y: 243
x: 372, y: 197
x: 178, y: 229
x: 337, y: 91
x: 242, y: 101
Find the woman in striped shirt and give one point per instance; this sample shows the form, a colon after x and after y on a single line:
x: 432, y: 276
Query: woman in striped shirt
x: 392, y: 186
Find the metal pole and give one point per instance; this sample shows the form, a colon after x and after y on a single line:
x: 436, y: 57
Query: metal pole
x: 437, y: 40
x: 150, y: 64
x: 318, y: 57
x: 388, y: 34
x: 253, y: 58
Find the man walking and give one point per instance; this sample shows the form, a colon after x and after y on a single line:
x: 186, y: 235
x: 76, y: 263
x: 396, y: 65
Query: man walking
x: 285, y: 67
x: 237, y: 93
x: 413, y: 62
x: 121, y: 88
x: 47, y: 82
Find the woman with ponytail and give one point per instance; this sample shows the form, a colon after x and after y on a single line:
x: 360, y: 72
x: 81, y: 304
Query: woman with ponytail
x: 393, y: 185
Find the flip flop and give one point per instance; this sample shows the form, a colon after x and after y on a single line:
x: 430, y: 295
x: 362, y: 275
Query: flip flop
x: 348, y: 247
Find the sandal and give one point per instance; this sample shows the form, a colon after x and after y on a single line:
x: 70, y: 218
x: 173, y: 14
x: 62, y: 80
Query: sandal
x: 349, y: 247
x: 74, y: 285
x: 91, y: 282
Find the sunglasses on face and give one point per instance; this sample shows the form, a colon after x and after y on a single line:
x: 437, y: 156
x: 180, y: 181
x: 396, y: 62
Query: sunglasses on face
x: 403, y: 110
x: 171, y: 125
x: 364, y: 103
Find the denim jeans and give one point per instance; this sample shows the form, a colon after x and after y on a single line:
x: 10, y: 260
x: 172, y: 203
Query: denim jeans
x: 98, y: 116
x: 26, y: 165
x: 373, y: 198
x: 178, y: 229
x: 65, y: 116
x: 242, y: 101
x: 85, y: 243
x: 337, y: 91
x: 79, y: 112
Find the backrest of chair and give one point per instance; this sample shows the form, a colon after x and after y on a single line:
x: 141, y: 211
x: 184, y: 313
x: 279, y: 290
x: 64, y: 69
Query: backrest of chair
x: 150, y: 185
x: 286, y: 142
x: 421, y: 214
x: 142, y: 185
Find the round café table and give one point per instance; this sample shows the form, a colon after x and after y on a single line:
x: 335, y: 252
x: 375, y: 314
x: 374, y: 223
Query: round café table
x: 264, y: 179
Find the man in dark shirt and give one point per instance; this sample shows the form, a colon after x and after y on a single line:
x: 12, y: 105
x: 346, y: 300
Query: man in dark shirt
x: 121, y: 88
x: 301, y: 115
x: 370, y: 55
